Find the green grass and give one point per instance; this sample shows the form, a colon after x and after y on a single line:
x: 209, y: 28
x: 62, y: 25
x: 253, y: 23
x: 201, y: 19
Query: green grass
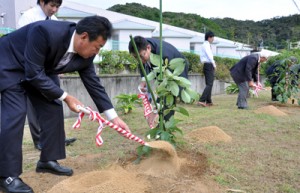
x: 262, y: 157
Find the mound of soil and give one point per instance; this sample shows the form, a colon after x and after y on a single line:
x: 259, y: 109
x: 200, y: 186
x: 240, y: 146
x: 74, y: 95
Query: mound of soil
x: 162, y: 171
x: 270, y: 110
x: 114, y: 179
x: 209, y: 134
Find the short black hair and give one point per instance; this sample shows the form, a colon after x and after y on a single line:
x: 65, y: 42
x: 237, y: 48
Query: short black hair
x: 95, y: 26
x: 209, y: 34
x: 141, y: 44
x: 58, y: 2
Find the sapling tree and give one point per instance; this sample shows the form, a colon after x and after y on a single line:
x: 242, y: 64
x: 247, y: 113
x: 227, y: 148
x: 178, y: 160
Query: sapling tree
x: 287, y: 86
x: 169, y: 87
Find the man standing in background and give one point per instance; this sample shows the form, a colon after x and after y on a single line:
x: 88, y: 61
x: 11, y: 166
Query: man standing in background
x: 207, y: 58
x: 44, y: 10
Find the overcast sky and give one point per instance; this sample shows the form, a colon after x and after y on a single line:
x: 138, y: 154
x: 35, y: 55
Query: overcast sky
x: 238, y: 9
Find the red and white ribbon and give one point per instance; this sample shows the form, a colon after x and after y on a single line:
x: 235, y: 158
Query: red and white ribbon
x: 258, y: 87
x: 95, y: 116
x: 147, y: 106
x: 92, y: 117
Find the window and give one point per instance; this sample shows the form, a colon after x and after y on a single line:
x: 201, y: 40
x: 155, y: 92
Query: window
x: 115, y: 42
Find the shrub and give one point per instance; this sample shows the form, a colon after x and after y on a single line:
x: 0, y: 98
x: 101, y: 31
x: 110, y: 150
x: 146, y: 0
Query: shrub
x: 194, y: 61
x: 127, y: 103
x: 232, y: 89
x: 114, y: 62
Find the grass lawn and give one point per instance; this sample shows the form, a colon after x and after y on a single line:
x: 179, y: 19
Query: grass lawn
x: 262, y: 157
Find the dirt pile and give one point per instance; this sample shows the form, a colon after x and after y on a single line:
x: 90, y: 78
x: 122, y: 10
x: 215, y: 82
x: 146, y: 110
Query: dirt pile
x: 209, y: 134
x: 162, y: 171
x: 270, y: 110
x: 162, y: 162
x: 115, y: 179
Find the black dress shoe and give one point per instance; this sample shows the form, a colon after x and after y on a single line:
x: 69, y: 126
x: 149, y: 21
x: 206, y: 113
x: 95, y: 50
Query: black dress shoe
x: 243, y: 108
x: 14, y: 185
x: 38, y: 146
x: 53, y: 167
x: 70, y: 141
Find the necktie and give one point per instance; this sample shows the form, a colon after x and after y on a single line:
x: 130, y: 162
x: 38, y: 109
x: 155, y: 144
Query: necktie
x: 65, y: 60
x: 47, y: 18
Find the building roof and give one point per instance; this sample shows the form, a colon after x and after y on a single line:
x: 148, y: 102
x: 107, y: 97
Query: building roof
x: 127, y: 24
x: 197, y: 39
x: 167, y: 33
x: 66, y: 12
x: 226, y: 45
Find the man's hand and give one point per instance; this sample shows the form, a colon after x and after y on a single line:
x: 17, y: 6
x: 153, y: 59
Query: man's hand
x: 143, y: 86
x: 72, y: 103
x: 119, y: 122
x: 251, y: 84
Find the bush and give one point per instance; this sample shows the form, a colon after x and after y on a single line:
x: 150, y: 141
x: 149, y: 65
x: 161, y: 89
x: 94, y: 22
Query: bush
x: 282, y: 56
x: 127, y: 103
x: 114, y: 62
x: 232, y: 89
x: 194, y: 61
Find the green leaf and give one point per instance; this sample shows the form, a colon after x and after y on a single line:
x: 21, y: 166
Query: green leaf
x: 169, y: 100
x: 173, y: 87
x: 193, y: 94
x: 155, y: 59
x: 169, y: 73
x: 178, y: 70
x: 176, y: 62
x: 183, y: 82
x: 165, y: 136
x: 182, y: 111
x: 151, y: 76
x: 185, y: 96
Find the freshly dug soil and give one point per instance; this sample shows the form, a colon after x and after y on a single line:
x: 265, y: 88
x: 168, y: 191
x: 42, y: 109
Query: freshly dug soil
x: 270, y: 110
x: 209, y: 134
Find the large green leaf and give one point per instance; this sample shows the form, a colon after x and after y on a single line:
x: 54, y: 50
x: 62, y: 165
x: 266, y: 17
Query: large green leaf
x: 193, y: 94
x: 172, y: 123
x: 169, y: 73
x: 182, y: 111
x: 169, y: 100
x: 165, y: 136
x: 178, y: 70
x: 183, y: 82
x: 155, y: 59
x: 173, y: 87
x: 185, y: 96
x: 176, y: 62
x: 151, y: 76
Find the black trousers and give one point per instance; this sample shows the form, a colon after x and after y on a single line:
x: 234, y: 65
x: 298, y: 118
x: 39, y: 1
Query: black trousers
x: 209, y: 73
x: 13, y: 111
x: 33, y: 123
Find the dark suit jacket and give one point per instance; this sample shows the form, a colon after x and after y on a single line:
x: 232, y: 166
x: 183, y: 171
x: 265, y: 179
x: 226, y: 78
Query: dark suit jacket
x: 245, y: 69
x: 169, y: 51
x: 32, y: 54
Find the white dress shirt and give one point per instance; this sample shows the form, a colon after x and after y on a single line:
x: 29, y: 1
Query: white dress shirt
x: 32, y: 15
x: 206, y: 54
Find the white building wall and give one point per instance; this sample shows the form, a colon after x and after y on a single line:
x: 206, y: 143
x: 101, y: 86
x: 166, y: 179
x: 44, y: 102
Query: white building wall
x: 226, y: 52
x: 182, y: 44
x: 124, y: 37
x: 197, y: 48
x: 10, y: 11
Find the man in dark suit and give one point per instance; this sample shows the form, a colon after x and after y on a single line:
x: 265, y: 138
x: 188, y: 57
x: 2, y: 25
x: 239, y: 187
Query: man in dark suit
x: 245, y: 73
x: 44, y: 10
x: 31, y: 59
x: 145, y: 47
